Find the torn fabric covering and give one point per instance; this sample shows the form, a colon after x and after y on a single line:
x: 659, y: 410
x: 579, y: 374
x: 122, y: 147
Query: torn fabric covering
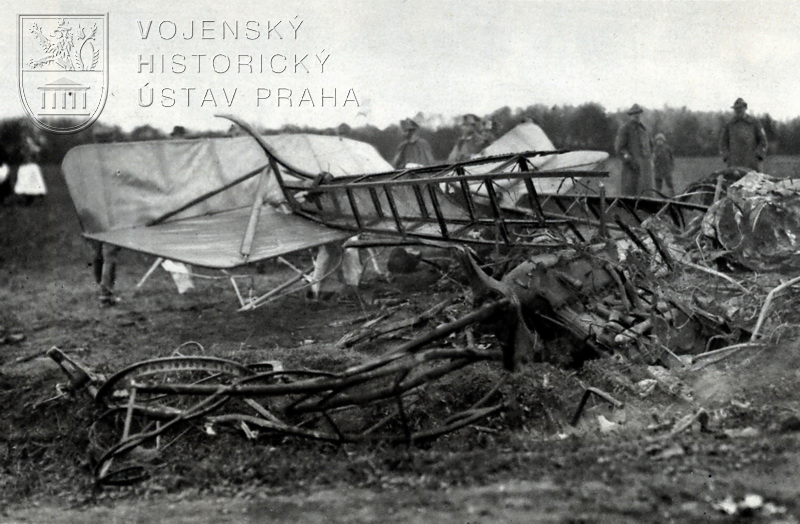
x: 530, y: 137
x: 524, y: 137
x: 181, y: 274
x: 119, y: 188
x: 334, y: 268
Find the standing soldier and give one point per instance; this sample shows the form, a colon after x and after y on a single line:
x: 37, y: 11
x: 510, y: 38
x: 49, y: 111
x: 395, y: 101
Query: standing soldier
x: 635, y: 147
x: 105, y: 255
x: 412, y: 150
x: 472, y: 140
x: 743, y: 142
x: 664, y: 163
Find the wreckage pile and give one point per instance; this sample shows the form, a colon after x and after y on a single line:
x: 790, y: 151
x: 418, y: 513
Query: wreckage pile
x: 758, y: 223
x: 376, y: 400
x: 639, y: 292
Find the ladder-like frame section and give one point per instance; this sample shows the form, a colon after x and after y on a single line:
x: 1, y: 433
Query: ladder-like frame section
x: 481, y: 201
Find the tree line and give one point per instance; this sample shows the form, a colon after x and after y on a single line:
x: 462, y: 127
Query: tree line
x: 586, y: 126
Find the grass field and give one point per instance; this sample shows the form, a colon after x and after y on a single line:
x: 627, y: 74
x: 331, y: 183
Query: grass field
x: 691, y: 169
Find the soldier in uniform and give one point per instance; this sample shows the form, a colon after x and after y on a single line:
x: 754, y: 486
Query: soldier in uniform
x: 634, y: 145
x: 743, y: 142
x: 413, y: 151
x: 105, y: 255
x: 472, y: 140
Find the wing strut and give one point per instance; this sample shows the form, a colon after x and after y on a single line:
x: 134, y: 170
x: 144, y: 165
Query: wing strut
x: 255, y: 213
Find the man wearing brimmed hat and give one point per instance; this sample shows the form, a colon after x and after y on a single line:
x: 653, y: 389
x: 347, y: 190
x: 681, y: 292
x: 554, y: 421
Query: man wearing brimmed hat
x: 634, y: 145
x: 413, y: 151
x: 743, y: 142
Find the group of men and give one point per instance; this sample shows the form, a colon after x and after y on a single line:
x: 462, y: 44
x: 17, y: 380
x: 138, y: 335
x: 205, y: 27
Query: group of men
x: 415, y: 151
x: 647, y: 163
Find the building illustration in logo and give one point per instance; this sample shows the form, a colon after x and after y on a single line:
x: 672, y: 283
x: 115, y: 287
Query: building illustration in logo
x: 64, y: 97
x: 63, y: 69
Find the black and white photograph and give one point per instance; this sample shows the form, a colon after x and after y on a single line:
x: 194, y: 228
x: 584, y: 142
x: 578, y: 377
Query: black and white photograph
x: 399, y: 261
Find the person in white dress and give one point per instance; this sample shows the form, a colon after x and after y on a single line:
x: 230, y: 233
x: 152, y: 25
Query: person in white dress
x: 30, y: 184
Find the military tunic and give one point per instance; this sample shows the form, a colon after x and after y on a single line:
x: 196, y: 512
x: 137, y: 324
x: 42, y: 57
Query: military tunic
x: 743, y: 143
x: 415, y: 151
x: 635, y: 146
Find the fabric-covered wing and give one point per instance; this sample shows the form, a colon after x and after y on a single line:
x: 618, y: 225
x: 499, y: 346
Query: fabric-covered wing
x: 122, y: 185
x: 136, y: 194
x: 213, y: 241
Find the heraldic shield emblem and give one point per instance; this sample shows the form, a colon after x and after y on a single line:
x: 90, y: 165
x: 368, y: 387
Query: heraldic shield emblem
x: 63, y: 69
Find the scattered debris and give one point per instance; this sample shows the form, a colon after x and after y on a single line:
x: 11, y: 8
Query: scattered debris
x: 607, y: 426
x: 646, y: 386
x: 375, y: 400
x: 372, y: 330
x: 586, y: 394
x: 747, y: 432
x: 701, y: 417
x: 14, y: 337
x: 718, y: 355
x: 768, y: 302
x: 661, y: 453
x: 749, y: 506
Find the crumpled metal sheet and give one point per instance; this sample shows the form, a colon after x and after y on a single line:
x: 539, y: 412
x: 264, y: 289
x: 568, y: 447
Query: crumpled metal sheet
x: 758, y: 222
x: 702, y: 191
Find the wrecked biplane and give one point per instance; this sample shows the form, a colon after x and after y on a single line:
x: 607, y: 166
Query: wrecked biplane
x: 594, y: 277
x: 202, y: 202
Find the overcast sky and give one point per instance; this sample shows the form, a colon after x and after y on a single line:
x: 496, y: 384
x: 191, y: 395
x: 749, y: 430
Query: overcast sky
x: 390, y: 59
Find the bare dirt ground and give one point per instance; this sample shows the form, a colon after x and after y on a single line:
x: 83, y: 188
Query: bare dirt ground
x: 526, y: 465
